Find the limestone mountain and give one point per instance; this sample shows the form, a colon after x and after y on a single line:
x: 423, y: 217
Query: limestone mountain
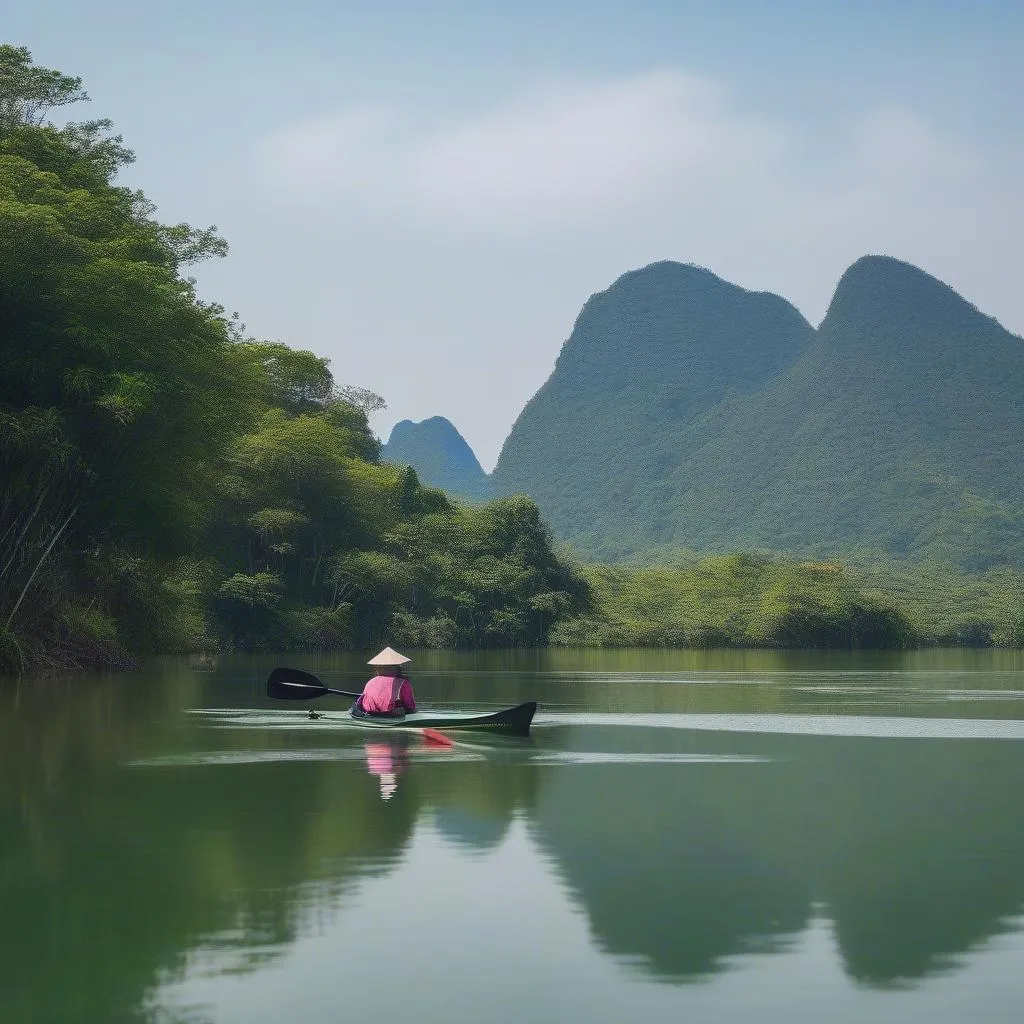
x: 647, y: 359
x: 440, y: 456
x: 680, y: 412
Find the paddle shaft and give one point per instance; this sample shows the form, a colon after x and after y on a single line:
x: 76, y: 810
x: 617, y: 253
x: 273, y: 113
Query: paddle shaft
x: 343, y: 693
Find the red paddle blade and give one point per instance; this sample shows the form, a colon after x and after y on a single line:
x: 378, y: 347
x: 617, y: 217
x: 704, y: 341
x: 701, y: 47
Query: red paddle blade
x: 437, y: 739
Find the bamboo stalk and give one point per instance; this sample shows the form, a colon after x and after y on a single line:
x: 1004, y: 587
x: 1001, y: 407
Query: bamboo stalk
x: 43, y: 557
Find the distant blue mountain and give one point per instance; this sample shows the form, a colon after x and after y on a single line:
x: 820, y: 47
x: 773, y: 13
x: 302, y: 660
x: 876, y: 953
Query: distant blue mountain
x: 440, y: 456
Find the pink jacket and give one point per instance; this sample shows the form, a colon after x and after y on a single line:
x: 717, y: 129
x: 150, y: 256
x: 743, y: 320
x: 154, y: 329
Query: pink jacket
x: 384, y: 693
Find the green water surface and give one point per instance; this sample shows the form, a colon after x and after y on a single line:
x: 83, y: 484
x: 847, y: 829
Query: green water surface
x: 707, y: 836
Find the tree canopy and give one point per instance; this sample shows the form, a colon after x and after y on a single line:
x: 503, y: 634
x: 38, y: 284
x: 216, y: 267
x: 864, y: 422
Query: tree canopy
x: 167, y: 482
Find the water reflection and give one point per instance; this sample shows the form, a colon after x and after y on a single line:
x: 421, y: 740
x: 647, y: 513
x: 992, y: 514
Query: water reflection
x: 387, y: 759
x: 914, y: 849
x: 131, y: 839
x: 133, y: 836
x: 109, y: 878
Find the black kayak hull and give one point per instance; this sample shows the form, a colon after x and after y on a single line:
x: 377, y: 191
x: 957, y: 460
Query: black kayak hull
x: 514, y: 720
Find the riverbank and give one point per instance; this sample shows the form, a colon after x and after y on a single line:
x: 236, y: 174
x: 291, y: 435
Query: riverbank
x: 758, y: 601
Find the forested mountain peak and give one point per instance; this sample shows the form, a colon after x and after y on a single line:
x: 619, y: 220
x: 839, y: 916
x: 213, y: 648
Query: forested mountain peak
x: 699, y: 282
x: 680, y: 322
x: 646, y: 357
x: 436, y: 425
x: 440, y: 456
x: 883, y: 294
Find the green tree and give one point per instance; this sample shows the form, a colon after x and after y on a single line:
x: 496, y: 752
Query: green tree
x: 28, y: 93
x: 168, y: 483
x: 119, y: 385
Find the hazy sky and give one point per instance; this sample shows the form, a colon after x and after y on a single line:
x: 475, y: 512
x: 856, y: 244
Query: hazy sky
x: 427, y: 193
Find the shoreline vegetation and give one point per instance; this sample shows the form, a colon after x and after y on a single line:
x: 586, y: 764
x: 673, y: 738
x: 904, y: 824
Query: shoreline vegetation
x: 169, y: 484
x: 765, y: 601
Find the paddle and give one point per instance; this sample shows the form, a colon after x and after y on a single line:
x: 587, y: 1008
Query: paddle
x: 433, y: 738
x: 294, y: 684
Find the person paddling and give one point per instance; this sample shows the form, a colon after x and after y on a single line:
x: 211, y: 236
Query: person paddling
x: 389, y: 693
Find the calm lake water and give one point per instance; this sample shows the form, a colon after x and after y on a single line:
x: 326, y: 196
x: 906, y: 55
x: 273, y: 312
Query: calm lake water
x: 706, y: 836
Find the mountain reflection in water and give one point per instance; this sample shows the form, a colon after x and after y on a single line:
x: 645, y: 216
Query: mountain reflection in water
x: 133, y: 837
x: 913, y: 848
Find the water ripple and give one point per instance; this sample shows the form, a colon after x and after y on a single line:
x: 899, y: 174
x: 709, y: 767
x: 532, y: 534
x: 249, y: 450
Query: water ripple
x: 808, y: 725
x: 222, y: 757
x: 357, y: 754
x: 604, y: 757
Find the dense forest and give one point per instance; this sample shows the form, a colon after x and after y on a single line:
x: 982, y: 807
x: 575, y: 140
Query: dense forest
x: 168, y: 483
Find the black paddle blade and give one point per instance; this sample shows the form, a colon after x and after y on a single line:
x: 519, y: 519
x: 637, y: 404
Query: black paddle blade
x: 294, y: 684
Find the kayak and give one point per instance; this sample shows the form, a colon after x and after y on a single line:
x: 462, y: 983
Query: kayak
x: 515, y: 720
x: 294, y: 684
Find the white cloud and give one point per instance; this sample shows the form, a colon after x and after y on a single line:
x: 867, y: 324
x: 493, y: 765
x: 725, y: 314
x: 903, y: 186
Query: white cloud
x: 568, y: 152
x: 468, y: 242
x: 665, y: 157
x: 557, y: 154
x: 348, y: 152
x: 891, y: 142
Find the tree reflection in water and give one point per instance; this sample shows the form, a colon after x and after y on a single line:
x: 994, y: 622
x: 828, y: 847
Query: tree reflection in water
x: 115, y: 879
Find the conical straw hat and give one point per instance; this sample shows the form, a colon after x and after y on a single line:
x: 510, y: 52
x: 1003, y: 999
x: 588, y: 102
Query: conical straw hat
x: 389, y: 657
